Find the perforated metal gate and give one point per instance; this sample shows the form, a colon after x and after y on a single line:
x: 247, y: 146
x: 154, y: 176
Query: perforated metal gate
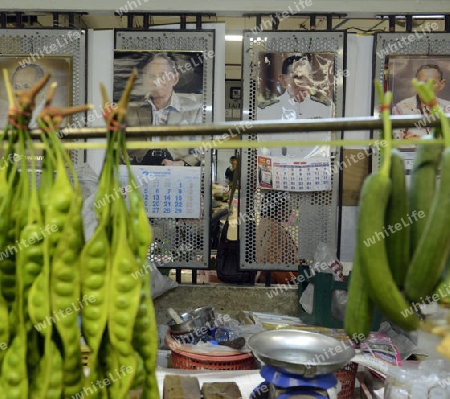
x: 395, y: 44
x: 311, y: 217
x: 34, y: 46
x: 181, y: 243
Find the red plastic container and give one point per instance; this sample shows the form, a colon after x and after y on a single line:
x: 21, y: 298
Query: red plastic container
x: 194, y: 361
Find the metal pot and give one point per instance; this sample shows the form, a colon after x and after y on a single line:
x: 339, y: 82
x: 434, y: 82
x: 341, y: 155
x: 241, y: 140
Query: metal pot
x: 203, y: 316
x: 194, y: 320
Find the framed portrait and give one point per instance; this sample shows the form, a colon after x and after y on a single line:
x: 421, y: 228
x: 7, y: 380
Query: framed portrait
x: 169, y: 90
x: 24, y: 74
x: 272, y: 64
x: 401, y: 69
x: 191, y: 55
x: 295, y: 86
x: 313, y: 74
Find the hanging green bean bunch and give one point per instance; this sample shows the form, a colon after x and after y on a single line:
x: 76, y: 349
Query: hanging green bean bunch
x: 145, y: 334
x: 14, y: 367
x: 65, y: 245
x: 42, y: 283
x: 39, y: 269
x: 145, y: 329
x: 95, y: 275
x: 121, y: 332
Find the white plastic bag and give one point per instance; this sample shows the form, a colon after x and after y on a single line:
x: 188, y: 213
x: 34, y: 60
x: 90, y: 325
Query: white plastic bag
x: 87, y: 178
x: 160, y: 284
x: 325, y: 262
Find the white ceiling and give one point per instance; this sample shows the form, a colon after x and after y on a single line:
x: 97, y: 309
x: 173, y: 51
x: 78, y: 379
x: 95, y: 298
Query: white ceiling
x: 353, y: 8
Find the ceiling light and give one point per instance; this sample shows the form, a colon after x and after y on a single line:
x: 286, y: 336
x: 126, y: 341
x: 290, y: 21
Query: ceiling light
x: 233, y: 38
x: 428, y: 16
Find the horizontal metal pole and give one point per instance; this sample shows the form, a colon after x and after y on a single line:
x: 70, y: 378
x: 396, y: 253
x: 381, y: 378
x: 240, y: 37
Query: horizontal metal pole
x: 255, y: 127
x: 132, y: 145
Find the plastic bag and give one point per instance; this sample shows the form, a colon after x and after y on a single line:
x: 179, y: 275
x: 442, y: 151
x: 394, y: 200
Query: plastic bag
x: 325, y: 262
x: 160, y: 284
x: 89, y: 217
x: 87, y: 178
x: 325, y: 257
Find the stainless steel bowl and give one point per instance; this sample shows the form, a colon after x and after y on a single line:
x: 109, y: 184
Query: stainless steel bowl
x: 194, y: 320
x: 301, y: 352
x: 204, y: 317
x: 187, y: 326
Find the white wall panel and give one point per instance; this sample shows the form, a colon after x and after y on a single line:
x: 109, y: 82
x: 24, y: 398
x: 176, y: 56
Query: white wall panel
x: 358, y: 89
x: 100, y: 60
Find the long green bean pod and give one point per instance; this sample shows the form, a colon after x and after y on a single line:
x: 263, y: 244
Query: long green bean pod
x: 124, y: 290
x: 94, y: 262
x: 14, y: 370
x: 65, y: 294
x: 145, y: 334
x: 7, y: 263
x: 9, y: 208
x: 4, y: 324
x: 54, y: 388
x: 95, y: 271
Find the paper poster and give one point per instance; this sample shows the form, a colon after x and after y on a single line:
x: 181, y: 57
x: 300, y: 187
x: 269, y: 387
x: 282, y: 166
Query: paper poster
x: 168, y: 192
x: 279, y: 173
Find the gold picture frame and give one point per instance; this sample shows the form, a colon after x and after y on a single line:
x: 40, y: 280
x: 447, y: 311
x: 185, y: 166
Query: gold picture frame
x: 25, y: 70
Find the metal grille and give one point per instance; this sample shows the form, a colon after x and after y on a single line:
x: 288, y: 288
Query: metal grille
x: 58, y: 42
x: 311, y: 217
x: 181, y: 243
x: 388, y: 44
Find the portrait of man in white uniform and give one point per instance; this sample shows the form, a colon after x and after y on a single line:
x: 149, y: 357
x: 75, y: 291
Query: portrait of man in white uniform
x: 303, y: 96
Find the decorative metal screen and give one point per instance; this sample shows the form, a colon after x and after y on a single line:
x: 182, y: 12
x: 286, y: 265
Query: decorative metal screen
x: 181, y: 243
x: 313, y: 215
x: 407, y: 44
x: 35, y: 45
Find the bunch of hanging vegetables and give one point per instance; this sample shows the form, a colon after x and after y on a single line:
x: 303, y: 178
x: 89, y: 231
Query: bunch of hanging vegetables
x: 403, y: 269
x: 49, y: 275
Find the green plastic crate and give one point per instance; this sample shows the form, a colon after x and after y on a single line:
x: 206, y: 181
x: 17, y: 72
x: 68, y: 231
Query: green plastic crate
x: 324, y: 286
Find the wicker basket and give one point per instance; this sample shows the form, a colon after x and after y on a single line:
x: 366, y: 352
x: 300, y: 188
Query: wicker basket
x: 194, y: 361
x: 347, y: 377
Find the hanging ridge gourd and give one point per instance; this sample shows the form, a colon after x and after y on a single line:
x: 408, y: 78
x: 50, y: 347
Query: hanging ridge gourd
x: 374, y: 270
x: 433, y: 246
